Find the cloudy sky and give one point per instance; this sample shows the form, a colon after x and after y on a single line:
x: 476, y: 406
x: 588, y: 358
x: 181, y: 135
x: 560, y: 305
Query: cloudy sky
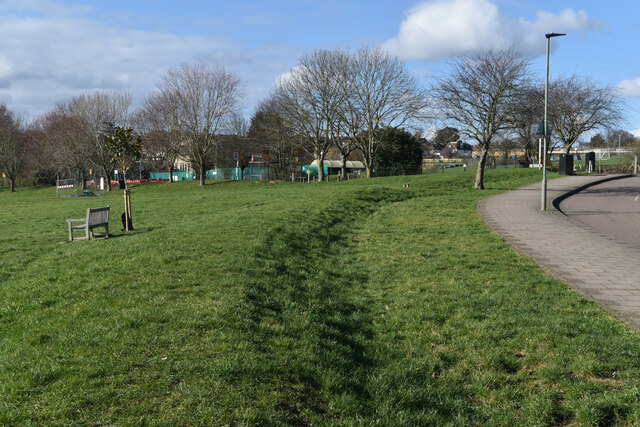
x: 53, y: 50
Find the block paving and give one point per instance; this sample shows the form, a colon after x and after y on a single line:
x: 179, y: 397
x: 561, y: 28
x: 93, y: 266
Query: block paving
x: 592, y: 264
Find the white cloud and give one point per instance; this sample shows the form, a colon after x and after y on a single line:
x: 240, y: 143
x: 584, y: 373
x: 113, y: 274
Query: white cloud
x: 73, y: 54
x: 50, y: 54
x: 636, y: 133
x: 630, y: 87
x: 5, y: 67
x: 46, y: 7
x: 443, y: 28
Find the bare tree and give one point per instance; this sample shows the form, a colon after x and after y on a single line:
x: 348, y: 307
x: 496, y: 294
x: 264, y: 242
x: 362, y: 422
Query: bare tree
x: 378, y: 92
x: 269, y: 130
x: 237, y: 141
x: 578, y: 105
x: 345, y: 146
x: 200, y: 97
x: 504, y: 145
x: 100, y: 110
x: 12, y: 145
x: 528, y: 115
x: 48, y: 156
x: 65, y: 143
x: 480, y: 95
x: 164, y: 143
x: 237, y: 125
x: 310, y: 98
x: 618, y: 138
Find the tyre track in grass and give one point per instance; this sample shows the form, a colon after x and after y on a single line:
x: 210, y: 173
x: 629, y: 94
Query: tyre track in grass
x: 305, y: 323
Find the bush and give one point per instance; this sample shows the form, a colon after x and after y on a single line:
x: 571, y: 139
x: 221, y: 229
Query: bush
x: 399, y: 153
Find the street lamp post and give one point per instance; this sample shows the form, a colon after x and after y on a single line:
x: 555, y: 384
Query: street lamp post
x: 546, y: 103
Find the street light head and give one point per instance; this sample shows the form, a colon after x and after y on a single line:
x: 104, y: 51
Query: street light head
x: 549, y: 35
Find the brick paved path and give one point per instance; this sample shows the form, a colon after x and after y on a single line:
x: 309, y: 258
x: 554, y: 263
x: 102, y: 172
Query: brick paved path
x: 592, y: 264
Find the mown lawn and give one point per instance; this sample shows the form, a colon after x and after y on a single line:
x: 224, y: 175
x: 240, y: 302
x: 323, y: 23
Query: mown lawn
x: 334, y: 303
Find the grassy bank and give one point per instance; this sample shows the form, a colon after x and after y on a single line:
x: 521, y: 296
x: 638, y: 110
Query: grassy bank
x: 246, y: 302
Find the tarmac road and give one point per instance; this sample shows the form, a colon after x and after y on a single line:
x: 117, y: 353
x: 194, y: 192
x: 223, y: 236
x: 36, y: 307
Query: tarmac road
x: 612, y: 208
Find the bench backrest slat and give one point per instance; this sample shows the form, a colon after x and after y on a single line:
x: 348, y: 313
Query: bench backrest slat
x: 97, y: 215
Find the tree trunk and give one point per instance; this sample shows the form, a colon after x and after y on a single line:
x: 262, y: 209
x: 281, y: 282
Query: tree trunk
x: 343, y: 168
x: 528, y: 153
x: 479, y: 184
x: 108, y: 173
x: 566, y: 149
x: 83, y: 176
x: 203, y: 174
x: 368, y: 164
x: 12, y: 181
x: 170, y: 174
x: 320, y: 158
x: 368, y: 156
x: 108, y: 176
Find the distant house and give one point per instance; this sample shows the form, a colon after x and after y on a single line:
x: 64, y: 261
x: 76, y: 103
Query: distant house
x: 449, y: 150
x: 464, y: 149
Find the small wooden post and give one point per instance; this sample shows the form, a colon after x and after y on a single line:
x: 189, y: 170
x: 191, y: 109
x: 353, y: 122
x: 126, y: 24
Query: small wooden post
x: 600, y: 164
x: 127, y: 209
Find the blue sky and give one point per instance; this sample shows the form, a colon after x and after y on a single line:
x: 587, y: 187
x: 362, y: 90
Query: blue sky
x: 53, y: 50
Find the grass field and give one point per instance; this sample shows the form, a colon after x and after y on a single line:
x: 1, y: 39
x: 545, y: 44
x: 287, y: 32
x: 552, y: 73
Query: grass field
x: 359, y: 302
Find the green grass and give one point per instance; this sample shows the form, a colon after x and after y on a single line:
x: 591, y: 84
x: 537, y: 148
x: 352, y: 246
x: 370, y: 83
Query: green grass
x: 335, y: 303
x: 615, y: 164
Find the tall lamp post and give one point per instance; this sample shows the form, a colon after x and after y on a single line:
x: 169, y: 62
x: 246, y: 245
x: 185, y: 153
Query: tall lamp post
x: 546, y: 136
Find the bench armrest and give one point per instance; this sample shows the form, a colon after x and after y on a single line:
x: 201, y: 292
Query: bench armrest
x: 77, y: 220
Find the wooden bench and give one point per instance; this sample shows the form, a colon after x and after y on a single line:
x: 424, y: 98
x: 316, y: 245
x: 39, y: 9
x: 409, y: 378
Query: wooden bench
x: 96, y: 217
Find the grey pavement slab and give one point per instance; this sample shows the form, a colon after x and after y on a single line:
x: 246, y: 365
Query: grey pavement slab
x: 595, y: 265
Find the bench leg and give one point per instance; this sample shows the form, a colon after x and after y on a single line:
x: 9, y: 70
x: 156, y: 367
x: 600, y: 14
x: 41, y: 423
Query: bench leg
x: 87, y: 232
